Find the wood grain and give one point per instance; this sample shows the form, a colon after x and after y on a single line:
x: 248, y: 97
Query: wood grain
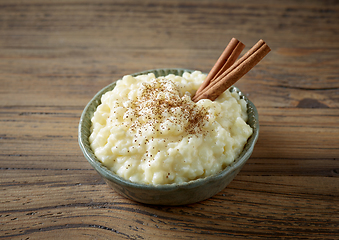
x: 55, y: 55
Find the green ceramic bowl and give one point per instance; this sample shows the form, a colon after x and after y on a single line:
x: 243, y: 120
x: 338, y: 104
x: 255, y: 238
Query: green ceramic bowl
x: 169, y: 194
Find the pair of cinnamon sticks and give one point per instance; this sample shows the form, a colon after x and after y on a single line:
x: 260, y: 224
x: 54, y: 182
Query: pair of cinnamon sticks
x: 227, y: 70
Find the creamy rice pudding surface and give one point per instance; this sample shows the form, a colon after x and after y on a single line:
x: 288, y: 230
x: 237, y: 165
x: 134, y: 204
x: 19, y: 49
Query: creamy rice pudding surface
x: 148, y: 130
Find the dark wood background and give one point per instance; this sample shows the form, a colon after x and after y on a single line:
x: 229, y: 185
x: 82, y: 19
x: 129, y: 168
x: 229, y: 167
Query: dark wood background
x: 55, y: 55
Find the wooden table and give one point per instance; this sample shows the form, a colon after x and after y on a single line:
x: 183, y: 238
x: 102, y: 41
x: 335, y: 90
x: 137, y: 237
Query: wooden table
x: 55, y: 55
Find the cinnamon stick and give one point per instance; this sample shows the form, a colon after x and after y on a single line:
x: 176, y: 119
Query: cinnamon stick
x: 234, y: 73
x: 226, y: 59
x: 224, y: 74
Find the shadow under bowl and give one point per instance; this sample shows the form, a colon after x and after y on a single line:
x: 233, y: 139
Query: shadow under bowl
x: 168, y: 194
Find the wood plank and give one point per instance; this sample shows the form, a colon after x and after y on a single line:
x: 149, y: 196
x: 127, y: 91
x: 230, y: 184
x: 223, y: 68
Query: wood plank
x: 270, y: 195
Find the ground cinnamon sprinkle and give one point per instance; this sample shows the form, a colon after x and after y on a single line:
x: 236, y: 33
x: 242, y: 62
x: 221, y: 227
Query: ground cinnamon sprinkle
x: 160, y: 98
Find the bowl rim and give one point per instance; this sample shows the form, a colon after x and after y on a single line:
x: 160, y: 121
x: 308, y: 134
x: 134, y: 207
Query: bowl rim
x: 109, y: 175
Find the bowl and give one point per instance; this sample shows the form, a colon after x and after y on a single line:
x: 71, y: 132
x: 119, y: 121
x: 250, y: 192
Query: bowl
x: 168, y: 194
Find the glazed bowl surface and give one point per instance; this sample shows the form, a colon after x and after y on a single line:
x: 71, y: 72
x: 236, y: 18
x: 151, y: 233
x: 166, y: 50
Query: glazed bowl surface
x: 168, y: 194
